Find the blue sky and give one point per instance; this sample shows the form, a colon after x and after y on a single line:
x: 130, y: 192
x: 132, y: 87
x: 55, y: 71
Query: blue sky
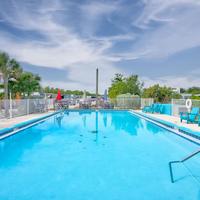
x: 64, y: 41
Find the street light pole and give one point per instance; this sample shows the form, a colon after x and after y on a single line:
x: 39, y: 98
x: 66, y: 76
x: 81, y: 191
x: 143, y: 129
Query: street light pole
x: 10, y: 104
x: 10, y: 96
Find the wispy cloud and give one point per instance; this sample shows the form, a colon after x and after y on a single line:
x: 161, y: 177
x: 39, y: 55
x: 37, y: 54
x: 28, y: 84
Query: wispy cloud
x: 95, y: 9
x: 61, y: 46
x: 82, y: 36
x: 181, y: 81
x: 161, y: 11
x: 177, y: 26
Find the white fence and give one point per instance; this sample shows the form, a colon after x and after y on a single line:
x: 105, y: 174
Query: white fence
x: 131, y: 103
x: 15, y: 108
x: 146, y: 102
x: 179, y: 105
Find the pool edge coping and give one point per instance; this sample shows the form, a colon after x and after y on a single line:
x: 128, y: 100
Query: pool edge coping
x: 175, y: 129
x: 9, y: 131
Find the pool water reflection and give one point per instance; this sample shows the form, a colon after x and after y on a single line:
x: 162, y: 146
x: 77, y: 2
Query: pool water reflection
x: 96, y: 155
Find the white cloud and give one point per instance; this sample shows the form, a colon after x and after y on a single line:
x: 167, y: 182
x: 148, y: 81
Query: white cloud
x: 96, y: 9
x: 161, y: 10
x: 61, y: 46
x: 167, y: 27
x: 179, y: 28
x: 172, y: 81
x: 83, y: 76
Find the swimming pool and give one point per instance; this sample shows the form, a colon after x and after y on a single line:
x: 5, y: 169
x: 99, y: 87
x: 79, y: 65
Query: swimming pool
x: 104, y: 155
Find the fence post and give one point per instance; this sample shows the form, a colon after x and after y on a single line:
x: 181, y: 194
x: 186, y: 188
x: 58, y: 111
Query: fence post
x: 46, y: 104
x: 172, y: 104
x: 27, y: 106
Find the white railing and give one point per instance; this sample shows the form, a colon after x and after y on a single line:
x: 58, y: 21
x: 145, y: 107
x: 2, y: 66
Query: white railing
x: 179, y: 105
x: 146, y: 102
x: 131, y: 103
x: 14, y: 108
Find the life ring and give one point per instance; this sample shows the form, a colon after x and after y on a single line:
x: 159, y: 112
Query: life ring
x: 188, y: 103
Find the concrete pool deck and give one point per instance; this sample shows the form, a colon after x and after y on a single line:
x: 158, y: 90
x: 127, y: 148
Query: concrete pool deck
x: 5, y: 123
x: 172, y: 119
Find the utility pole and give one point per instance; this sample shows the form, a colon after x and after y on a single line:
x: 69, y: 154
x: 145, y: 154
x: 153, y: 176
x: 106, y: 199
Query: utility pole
x: 97, y: 85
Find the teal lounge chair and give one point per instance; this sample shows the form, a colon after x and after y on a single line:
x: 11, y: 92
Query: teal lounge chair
x: 148, y: 109
x: 190, y: 117
x: 154, y: 108
x: 157, y: 108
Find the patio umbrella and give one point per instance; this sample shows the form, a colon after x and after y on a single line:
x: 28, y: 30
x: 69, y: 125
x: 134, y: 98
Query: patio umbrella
x: 59, y: 97
x: 84, y: 95
x: 105, y: 96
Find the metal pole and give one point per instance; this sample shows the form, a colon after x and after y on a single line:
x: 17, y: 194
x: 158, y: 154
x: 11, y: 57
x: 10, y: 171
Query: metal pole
x: 27, y: 106
x: 97, y: 85
x: 172, y: 103
x: 10, y: 105
x: 171, y: 173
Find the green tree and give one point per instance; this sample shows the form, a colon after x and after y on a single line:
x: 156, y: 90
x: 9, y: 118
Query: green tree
x: 4, y: 68
x: 116, y: 89
x: 160, y: 94
x: 182, y: 90
x: 123, y: 85
x: 118, y: 78
x: 28, y: 83
x: 10, y: 69
x: 195, y: 97
x: 15, y: 79
x: 134, y: 86
x: 47, y: 89
x: 73, y: 92
x: 194, y: 90
x: 176, y: 95
x: 15, y: 69
x: 14, y: 75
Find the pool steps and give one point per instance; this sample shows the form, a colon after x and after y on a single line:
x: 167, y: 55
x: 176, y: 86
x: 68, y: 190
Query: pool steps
x: 181, y: 161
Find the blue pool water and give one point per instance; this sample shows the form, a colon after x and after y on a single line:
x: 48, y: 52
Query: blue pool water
x: 105, y: 155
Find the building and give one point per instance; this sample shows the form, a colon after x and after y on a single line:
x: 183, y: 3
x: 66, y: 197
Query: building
x: 177, y: 90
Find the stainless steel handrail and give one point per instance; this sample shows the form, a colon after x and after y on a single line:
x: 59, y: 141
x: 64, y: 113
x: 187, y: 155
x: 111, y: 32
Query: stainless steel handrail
x: 180, y: 161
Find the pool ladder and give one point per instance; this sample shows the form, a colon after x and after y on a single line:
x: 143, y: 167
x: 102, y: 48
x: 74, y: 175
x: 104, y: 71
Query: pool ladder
x: 180, y: 161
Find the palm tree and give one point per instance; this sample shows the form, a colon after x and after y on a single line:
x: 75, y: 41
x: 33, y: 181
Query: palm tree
x: 15, y: 71
x: 4, y: 61
x: 9, y: 69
